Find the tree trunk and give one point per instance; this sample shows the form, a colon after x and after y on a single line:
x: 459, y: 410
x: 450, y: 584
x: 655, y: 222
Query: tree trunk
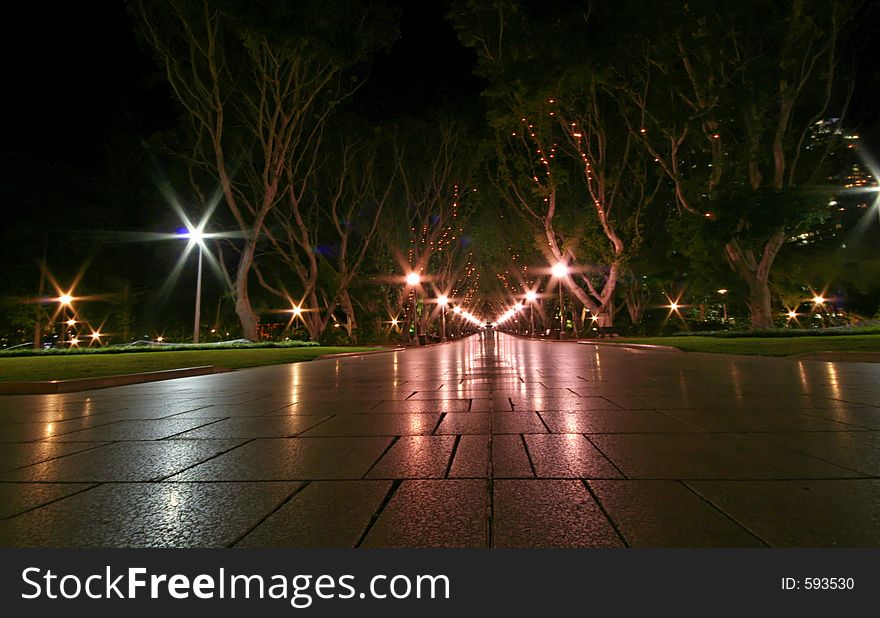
x: 348, y: 309
x: 247, y: 317
x: 756, y: 274
x: 760, y: 307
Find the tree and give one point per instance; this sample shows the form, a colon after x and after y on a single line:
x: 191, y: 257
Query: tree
x: 257, y: 82
x: 323, y: 239
x: 730, y: 100
x: 435, y: 162
x: 567, y: 160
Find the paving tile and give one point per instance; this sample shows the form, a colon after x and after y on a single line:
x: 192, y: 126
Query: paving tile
x: 292, y: 459
x: 613, y: 421
x: 517, y: 422
x: 536, y: 513
x: 415, y: 457
x: 248, y: 427
x: 133, y: 430
x: 18, y: 497
x: 29, y: 432
x: 323, y: 514
x: 539, y: 404
x: 495, y: 404
x: 567, y: 456
x: 24, y: 454
x: 856, y: 417
x: 438, y: 513
x: 509, y: 458
x: 123, y: 461
x: 801, y: 513
x: 855, y: 450
x: 754, y: 420
x: 148, y: 515
x: 464, y: 423
x: 376, y: 425
x: 471, y: 459
x: 328, y: 408
x: 667, y: 514
x: 709, y: 456
x: 423, y: 407
x: 234, y: 411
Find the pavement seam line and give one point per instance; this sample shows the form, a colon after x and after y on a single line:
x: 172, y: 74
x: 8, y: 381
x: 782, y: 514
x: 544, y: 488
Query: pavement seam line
x: 175, y: 435
x: 522, y: 438
x: 490, y: 486
x: 290, y: 497
x: 439, y: 422
x: 391, y: 444
x: 91, y: 485
x: 723, y: 513
x: 825, y: 418
x: 310, y: 427
x: 162, y: 479
x: 91, y: 448
x: 607, y: 458
x: 605, y: 512
x: 543, y: 422
x: 791, y: 448
x: 395, y: 485
x: 452, y: 456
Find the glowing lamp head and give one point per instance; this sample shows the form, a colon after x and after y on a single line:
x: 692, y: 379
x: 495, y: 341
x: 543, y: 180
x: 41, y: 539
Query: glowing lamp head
x: 818, y: 300
x: 443, y: 300
x: 792, y: 315
x: 394, y: 321
x: 297, y: 310
x: 96, y: 335
x: 456, y: 310
x: 722, y: 291
x: 674, y: 306
x: 518, y: 307
x: 74, y: 341
x: 196, y: 235
x: 560, y: 270
x: 413, y: 279
x: 531, y: 296
x: 71, y: 322
x: 65, y: 299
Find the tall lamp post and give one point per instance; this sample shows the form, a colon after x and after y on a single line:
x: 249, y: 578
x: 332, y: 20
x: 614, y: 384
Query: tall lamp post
x: 65, y: 301
x: 443, y: 300
x: 457, y: 311
x: 531, y: 296
x: 560, y: 271
x: 517, y: 308
x: 196, y: 235
x: 412, y: 280
x: 723, y: 292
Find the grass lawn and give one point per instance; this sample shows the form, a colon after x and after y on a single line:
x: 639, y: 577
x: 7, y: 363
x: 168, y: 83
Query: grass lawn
x: 27, y: 368
x: 766, y: 346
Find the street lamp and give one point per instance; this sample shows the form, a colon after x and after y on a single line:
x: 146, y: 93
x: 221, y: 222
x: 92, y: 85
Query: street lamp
x: 413, y: 279
x: 457, y: 311
x: 560, y: 271
x: 517, y: 307
x: 531, y: 297
x: 65, y: 301
x: 196, y: 236
x: 443, y: 300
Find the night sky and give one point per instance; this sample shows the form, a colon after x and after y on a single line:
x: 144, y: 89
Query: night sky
x: 94, y: 77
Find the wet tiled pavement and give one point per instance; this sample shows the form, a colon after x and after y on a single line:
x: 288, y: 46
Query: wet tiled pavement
x: 492, y: 441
